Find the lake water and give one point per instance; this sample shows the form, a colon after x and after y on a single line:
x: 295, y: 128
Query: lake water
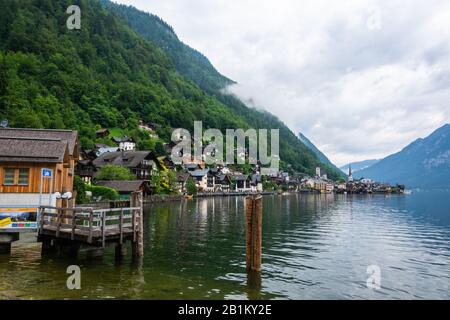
x: 314, y: 247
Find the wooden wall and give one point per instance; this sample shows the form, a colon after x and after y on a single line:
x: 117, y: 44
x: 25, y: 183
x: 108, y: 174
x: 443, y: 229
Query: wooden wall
x: 62, y: 181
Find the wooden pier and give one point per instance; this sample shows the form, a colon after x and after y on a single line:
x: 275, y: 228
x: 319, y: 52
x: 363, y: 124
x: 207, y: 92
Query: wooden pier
x: 69, y: 229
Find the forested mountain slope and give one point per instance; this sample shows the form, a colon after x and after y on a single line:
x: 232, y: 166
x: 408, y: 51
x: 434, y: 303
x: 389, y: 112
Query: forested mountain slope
x: 108, y: 75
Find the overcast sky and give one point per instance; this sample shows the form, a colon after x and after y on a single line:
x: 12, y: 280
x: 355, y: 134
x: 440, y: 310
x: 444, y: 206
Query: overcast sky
x: 361, y: 79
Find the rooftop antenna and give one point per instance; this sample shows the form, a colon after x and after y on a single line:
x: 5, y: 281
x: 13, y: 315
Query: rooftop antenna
x: 4, y: 124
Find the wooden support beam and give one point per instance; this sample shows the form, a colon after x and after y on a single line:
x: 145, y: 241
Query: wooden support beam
x: 91, y: 225
x: 137, y: 202
x: 103, y: 229
x: 253, y: 207
x: 74, y: 225
x: 59, y: 222
x: 121, y: 226
x: 121, y: 251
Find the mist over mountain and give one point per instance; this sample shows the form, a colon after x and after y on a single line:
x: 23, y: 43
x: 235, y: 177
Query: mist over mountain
x: 123, y: 66
x: 425, y: 163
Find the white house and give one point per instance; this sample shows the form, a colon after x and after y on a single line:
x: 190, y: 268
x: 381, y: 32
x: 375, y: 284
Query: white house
x: 125, y: 143
x: 201, y: 179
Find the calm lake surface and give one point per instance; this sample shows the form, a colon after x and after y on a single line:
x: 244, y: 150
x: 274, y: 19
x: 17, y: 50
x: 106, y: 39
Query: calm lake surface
x: 314, y: 247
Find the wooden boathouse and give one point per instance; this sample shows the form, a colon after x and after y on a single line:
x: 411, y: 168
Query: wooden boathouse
x: 24, y: 155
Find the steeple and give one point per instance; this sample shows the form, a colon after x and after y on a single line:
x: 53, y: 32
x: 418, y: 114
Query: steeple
x: 350, y: 174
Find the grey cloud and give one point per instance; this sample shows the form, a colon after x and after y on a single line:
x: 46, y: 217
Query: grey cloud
x: 361, y: 78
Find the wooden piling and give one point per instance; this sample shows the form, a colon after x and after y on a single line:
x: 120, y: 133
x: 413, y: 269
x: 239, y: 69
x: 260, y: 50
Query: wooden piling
x: 120, y: 251
x: 253, y: 206
x: 138, y: 224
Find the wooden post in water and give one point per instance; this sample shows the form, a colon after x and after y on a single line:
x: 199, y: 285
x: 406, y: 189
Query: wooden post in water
x: 138, y: 245
x: 253, y: 207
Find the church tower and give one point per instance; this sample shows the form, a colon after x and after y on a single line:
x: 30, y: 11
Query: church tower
x: 350, y: 174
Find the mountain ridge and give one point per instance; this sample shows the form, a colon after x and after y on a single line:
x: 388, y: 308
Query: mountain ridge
x: 141, y: 22
x: 424, y: 163
x: 320, y: 155
x: 108, y: 75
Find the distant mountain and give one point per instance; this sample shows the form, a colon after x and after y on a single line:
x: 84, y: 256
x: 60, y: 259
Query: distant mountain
x: 320, y: 155
x: 360, y: 165
x: 425, y: 163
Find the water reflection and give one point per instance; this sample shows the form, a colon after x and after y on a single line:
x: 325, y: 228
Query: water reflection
x: 314, y: 246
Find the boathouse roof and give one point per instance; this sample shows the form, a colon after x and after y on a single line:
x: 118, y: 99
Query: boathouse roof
x: 24, y: 149
x: 69, y: 136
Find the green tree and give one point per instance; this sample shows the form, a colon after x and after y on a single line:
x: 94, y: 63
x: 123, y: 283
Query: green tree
x: 80, y: 187
x: 172, y: 179
x: 191, y: 187
x: 159, y: 149
x: 156, y: 184
x: 114, y: 173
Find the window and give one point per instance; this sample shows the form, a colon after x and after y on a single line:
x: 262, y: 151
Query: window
x: 8, y: 178
x: 16, y: 176
x: 23, y: 176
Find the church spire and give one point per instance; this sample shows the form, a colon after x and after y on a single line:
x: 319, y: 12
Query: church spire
x: 350, y: 174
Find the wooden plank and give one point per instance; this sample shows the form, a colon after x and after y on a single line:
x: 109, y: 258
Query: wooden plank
x: 74, y: 225
x: 103, y: 229
x: 91, y: 217
x: 134, y: 224
x: 42, y: 216
x: 121, y: 227
x: 59, y: 222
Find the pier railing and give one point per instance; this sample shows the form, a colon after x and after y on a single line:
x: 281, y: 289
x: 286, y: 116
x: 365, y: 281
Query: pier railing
x: 90, y: 225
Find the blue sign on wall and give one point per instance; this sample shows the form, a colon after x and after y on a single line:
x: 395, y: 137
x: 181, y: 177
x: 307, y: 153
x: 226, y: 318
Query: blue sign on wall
x: 46, y: 173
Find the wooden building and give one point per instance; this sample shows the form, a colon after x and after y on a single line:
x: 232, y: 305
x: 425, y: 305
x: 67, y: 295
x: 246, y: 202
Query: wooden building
x: 143, y: 164
x: 23, y: 155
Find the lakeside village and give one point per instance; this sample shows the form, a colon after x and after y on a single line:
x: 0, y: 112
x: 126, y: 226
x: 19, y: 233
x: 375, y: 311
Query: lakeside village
x: 114, y: 170
x: 44, y: 174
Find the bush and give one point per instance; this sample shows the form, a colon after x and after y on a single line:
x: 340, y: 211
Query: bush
x: 103, y: 193
x: 114, y: 173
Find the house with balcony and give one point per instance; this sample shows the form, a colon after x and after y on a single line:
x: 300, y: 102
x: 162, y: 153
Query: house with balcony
x: 143, y: 164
